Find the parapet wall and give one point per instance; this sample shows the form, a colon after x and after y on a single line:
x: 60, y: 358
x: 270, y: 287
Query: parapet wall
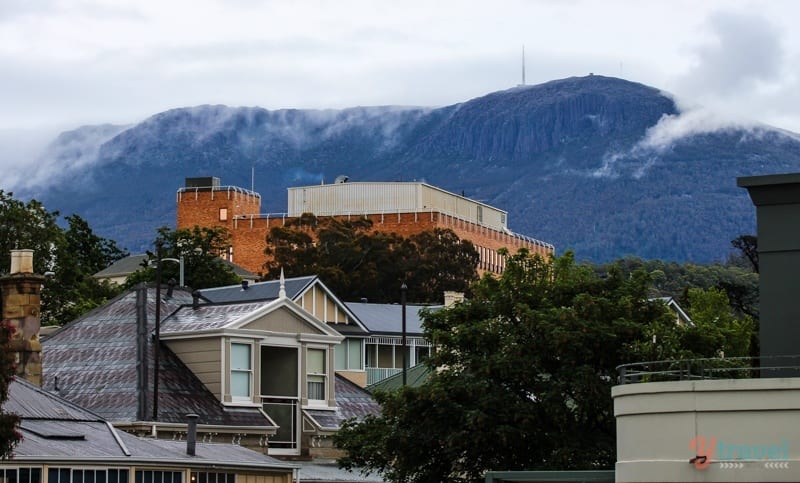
x: 711, y: 430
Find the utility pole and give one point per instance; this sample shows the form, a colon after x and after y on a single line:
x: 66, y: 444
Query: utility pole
x: 159, y: 246
x: 403, y: 290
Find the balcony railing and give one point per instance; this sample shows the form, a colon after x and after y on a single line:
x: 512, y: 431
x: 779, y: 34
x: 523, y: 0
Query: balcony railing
x: 710, y: 368
x: 376, y: 374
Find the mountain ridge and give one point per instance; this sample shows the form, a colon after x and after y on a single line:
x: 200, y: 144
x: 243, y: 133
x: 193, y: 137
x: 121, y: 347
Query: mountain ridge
x: 591, y: 164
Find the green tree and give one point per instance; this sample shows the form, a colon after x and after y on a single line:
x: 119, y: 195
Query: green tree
x: 201, y: 249
x: 27, y: 226
x: 523, y: 381
x: 9, y: 422
x: 79, y: 253
x: 715, y: 331
x: 358, y: 262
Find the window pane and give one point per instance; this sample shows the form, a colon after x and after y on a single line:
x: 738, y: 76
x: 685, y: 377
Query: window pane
x: 113, y: 476
x: 354, y: 354
x: 24, y: 475
x: 240, y: 357
x: 240, y: 384
x: 88, y: 476
x: 316, y: 387
x: 340, y: 356
x: 315, y: 361
x: 77, y: 476
x: 36, y: 475
x: 100, y: 476
x: 64, y: 475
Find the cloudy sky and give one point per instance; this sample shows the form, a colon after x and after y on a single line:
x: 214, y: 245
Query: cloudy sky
x: 72, y: 62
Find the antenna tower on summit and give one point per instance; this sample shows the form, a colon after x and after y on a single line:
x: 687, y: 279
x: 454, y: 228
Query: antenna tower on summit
x: 523, y: 65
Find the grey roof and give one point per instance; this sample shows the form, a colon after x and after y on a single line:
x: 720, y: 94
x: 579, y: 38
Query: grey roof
x: 352, y: 401
x: 93, y: 360
x: 207, y: 317
x: 55, y: 429
x: 387, y: 318
x: 257, y: 291
x: 329, y: 472
x: 132, y: 263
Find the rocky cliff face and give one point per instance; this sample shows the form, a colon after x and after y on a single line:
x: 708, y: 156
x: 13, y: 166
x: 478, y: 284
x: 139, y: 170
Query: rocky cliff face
x: 584, y: 163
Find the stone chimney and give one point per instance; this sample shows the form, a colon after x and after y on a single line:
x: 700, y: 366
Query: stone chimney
x: 21, y: 303
x: 451, y: 297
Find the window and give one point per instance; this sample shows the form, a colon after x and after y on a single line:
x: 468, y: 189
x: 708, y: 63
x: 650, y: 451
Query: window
x: 70, y: 475
x: 480, y: 214
x: 223, y: 214
x: 315, y: 374
x: 348, y: 355
x: 241, y: 371
x: 212, y: 477
x: 21, y: 475
x: 157, y: 476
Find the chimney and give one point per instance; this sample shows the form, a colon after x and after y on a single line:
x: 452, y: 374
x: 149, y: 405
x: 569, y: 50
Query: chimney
x: 195, y: 299
x: 245, y: 283
x: 191, y: 434
x: 451, y: 297
x: 21, y: 296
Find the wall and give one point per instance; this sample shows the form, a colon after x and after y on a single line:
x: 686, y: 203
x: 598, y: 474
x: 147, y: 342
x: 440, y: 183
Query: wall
x: 656, y: 423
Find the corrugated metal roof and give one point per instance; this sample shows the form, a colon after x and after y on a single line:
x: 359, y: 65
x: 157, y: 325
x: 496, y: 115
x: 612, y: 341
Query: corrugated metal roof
x: 352, y: 401
x: 257, y: 291
x: 207, y: 317
x: 94, y: 361
x: 415, y: 377
x: 388, y: 318
x: 55, y: 429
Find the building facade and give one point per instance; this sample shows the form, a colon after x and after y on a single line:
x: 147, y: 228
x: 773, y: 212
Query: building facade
x: 404, y: 208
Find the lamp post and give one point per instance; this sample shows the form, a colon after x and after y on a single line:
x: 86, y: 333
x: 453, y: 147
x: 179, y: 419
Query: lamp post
x: 159, y: 246
x: 403, y: 290
x: 179, y: 261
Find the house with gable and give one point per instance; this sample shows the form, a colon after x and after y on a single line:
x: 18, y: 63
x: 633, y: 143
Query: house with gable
x: 259, y: 373
x: 311, y: 294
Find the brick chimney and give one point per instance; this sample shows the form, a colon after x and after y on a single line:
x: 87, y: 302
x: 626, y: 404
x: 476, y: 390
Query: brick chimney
x: 21, y: 304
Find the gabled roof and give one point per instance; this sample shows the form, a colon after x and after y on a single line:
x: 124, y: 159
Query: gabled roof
x: 258, y: 291
x: 212, y: 317
x: 295, y: 289
x: 352, y: 401
x: 132, y: 263
x: 387, y: 318
x: 55, y: 429
x: 93, y: 362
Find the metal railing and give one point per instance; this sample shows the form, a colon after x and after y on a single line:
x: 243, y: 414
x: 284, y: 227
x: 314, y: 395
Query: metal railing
x: 376, y: 374
x: 709, y: 368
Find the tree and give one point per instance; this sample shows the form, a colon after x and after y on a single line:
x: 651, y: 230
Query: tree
x: 79, y: 253
x: 716, y: 331
x: 748, y: 249
x: 27, y: 226
x: 9, y: 422
x: 523, y: 381
x: 201, y: 249
x: 357, y: 262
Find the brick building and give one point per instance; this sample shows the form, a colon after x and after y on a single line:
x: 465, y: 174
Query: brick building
x: 405, y: 208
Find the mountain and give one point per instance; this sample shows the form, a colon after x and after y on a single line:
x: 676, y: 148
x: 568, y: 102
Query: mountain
x: 599, y: 165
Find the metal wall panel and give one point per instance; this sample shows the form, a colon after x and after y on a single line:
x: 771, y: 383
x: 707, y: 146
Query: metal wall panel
x: 392, y: 197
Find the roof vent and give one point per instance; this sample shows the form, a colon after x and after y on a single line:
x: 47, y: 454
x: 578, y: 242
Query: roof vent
x: 341, y: 179
x: 245, y: 284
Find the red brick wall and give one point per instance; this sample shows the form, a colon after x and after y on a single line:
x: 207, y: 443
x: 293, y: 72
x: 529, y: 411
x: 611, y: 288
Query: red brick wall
x: 249, y: 232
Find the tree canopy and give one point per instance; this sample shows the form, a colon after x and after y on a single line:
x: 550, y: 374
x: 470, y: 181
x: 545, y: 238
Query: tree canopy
x: 523, y: 380
x: 72, y: 254
x: 9, y: 422
x: 357, y: 262
x: 200, y: 247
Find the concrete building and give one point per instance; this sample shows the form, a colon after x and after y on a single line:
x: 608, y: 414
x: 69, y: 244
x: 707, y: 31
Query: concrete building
x: 722, y: 420
x: 405, y: 208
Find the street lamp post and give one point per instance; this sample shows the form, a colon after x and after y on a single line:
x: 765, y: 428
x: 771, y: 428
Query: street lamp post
x: 403, y: 290
x: 159, y: 246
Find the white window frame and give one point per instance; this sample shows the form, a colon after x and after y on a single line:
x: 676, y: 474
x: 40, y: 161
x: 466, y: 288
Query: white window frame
x: 250, y: 372
x: 326, y: 379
